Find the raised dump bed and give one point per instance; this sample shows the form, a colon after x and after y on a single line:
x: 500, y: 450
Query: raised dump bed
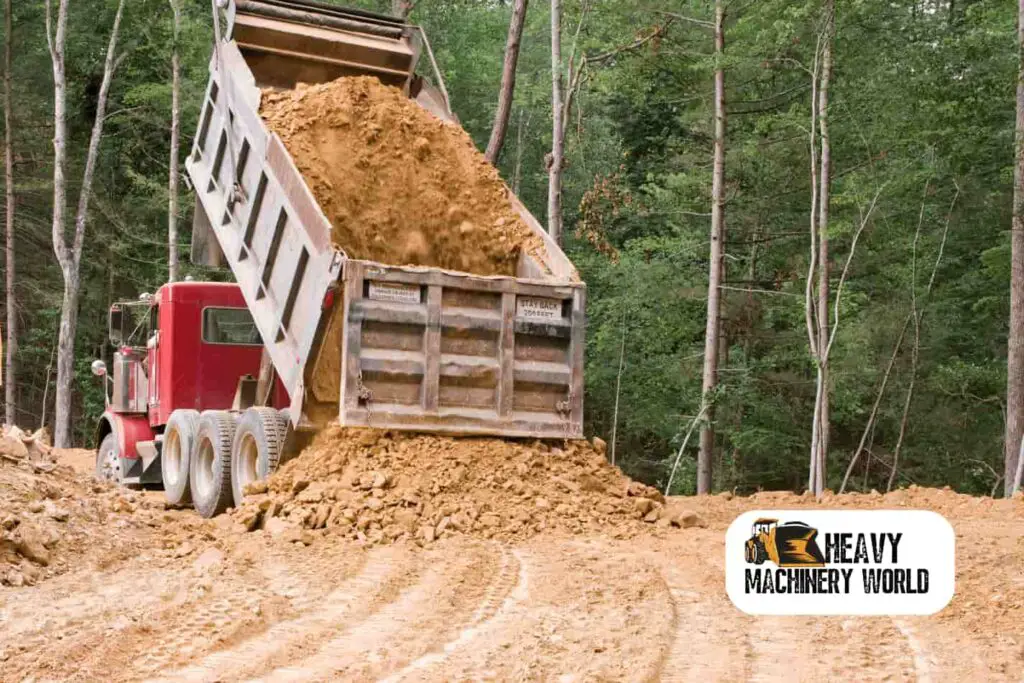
x: 388, y: 345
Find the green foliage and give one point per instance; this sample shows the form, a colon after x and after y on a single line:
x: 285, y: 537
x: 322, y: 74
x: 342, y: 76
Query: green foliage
x: 922, y: 103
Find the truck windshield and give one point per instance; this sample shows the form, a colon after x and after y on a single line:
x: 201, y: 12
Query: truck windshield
x: 230, y: 326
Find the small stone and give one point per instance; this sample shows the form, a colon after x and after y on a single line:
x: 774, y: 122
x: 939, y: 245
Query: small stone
x: 643, y: 505
x: 652, y: 516
x: 35, y: 506
x: 428, y: 534
x: 56, y: 513
x: 490, y: 520
x: 542, y: 503
x: 208, y: 559
x: 32, y: 549
x: 725, y: 495
x: 277, y: 526
x: 379, y: 480
x: 299, y: 485
x: 407, y: 519
x: 374, y: 504
x: 687, y: 519
x: 183, y: 550
x: 256, y: 488
x: 600, y: 445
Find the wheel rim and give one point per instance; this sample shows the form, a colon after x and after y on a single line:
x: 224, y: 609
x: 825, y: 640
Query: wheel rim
x: 172, y: 458
x: 204, y: 468
x: 248, y: 460
x: 110, y: 465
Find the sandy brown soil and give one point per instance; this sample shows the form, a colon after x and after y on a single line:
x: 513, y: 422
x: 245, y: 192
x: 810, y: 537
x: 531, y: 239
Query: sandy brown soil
x: 398, y: 185
x: 203, y: 601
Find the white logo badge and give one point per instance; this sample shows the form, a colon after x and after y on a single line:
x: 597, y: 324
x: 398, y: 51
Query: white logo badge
x: 840, y: 562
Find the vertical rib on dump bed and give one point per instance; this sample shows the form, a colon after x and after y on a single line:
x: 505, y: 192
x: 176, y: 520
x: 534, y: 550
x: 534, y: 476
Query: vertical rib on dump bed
x: 419, y: 348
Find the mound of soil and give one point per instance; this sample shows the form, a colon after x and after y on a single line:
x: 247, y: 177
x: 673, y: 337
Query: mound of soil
x: 380, y: 487
x: 398, y: 185
x: 54, y: 516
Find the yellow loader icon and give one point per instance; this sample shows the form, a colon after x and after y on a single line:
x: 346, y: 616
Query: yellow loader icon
x: 787, y: 545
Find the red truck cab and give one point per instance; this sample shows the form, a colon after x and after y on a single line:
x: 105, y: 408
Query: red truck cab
x: 184, y: 348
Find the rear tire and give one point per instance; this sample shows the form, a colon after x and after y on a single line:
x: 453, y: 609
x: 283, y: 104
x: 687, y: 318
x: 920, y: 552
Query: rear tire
x: 210, y: 466
x: 179, y: 445
x: 108, y: 460
x: 257, y: 448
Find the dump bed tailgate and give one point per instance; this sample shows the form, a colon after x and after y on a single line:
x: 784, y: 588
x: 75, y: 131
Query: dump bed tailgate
x: 444, y: 351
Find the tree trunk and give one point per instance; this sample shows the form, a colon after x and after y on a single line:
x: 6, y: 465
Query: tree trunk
x: 401, y: 8
x: 172, y: 173
x: 10, y: 379
x: 517, y: 170
x: 558, y: 127
x: 716, y: 266
x: 508, y: 83
x: 824, y: 190
x: 70, y: 258
x: 1015, y: 342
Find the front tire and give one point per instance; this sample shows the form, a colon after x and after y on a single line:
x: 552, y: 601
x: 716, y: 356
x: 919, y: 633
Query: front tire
x: 257, y: 448
x: 108, y: 460
x: 210, y: 466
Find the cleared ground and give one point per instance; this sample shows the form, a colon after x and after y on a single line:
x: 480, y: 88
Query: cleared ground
x: 198, y: 601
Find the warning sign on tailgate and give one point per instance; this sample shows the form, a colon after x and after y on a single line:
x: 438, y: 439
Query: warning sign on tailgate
x: 535, y: 308
x: 394, y: 292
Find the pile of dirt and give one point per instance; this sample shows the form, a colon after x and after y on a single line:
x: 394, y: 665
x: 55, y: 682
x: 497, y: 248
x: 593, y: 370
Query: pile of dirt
x: 379, y: 487
x: 55, y: 517
x: 398, y: 185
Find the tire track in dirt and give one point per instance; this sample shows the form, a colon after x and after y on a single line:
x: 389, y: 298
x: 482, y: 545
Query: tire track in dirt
x: 709, y: 635
x: 509, y: 588
x: 422, y: 617
x: 586, y: 611
x: 923, y: 659
x: 353, y: 599
x: 269, y: 583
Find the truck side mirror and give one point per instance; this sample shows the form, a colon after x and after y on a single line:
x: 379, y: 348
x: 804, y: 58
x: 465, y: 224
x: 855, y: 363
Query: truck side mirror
x: 116, y: 325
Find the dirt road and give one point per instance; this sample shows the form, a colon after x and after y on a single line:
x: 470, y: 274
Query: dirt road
x: 221, y: 606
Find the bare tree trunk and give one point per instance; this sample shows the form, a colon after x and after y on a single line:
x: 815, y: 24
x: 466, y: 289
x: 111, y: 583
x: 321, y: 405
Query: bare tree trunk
x: 1017, y: 480
x: 56, y: 45
x: 716, y: 267
x: 1015, y: 342
x: 46, y: 387
x: 558, y: 127
x: 172, y: 173
x: 70, y: 258
x: 11, y: 388
x: 508, y: 82
x: 618, y: 387
x: 517, y: 172
x: 402, y: 8
x: 825, y: 191
x: 810, y: 311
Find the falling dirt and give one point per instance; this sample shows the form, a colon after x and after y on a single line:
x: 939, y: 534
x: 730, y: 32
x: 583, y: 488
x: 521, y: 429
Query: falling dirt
x: 398, y: 185
x: 187, y: 599
x: 381, y: 487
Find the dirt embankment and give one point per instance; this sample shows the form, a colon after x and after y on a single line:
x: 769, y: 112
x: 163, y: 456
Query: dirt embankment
x: 56, y: 517
x: 379, y: 487
x: 398, y: 185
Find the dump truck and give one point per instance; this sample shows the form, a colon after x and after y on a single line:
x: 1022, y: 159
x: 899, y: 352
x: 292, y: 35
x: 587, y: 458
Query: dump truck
x: 792, y: 544
x: 219, y: 386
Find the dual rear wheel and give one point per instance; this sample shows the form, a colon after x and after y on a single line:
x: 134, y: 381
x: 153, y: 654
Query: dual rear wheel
x: 208, y: 459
